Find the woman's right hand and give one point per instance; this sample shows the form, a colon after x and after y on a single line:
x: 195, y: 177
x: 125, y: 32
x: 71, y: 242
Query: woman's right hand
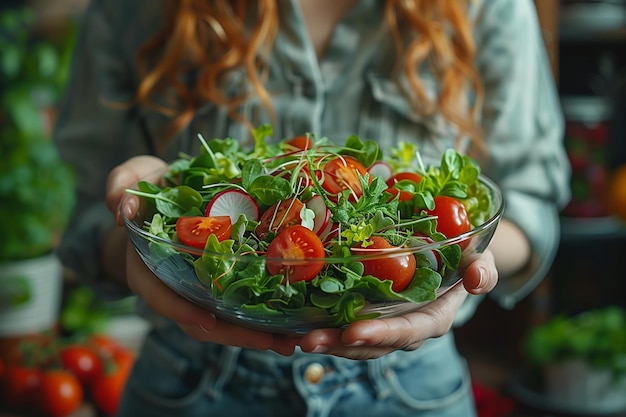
x: 196, y: 321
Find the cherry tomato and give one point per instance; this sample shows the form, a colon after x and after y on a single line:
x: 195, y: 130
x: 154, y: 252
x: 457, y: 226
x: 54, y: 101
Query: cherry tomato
x: 404, y: 195
x: 401, y: 176
x: 81, y: 361
x: 279, y: 217
x: 452, y: 217
x: 124, y: 358
x: 60, y: 393
x: 296, y: 243
x: 106, y: 390
x: 300, y: 142
x: 19, y: 385
x: 616, y: 192
x: 399, y: 269
x: 341, y: 174
x: 103, y: 344
x: 195, y: 230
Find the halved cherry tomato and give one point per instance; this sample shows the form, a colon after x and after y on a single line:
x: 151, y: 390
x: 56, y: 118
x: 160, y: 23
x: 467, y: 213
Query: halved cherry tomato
x: 301, y: 249
x: 280, y: 216
x: 341, y: 174
x: 300, y: 142
x: 452, y: 217
x: 195, y: 230
x: 397, y: 268
x: 400, y: 176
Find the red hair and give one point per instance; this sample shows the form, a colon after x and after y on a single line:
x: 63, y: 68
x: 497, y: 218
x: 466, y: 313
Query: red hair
x: 210, y: 38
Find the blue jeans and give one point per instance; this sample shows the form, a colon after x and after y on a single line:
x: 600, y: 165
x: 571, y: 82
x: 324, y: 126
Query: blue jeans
x: 177, y: 376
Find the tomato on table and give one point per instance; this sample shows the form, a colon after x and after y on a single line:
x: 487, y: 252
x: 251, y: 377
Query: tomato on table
x: 82, y: 361
x: 103, y: 343
x: 60, y: 393
x: 300, y: 248
x: 342, y: 173
x: 124, y: 358
x: 452, y: 218
x: 195, y: 230
x: 398, y: 268
x: 280, y: 216
x: 19, y: 385
x: 106, y: 390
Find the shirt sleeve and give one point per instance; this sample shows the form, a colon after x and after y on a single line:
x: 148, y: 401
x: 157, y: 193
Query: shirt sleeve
x: 96, y: 129
x: 523, y: 126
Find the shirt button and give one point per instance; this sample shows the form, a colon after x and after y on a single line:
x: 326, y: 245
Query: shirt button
x: 314, y: 373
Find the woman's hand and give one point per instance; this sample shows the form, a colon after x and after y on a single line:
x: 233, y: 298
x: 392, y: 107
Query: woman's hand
x: 127, y: 175
x: 370, y: 339
x: 199, y: 323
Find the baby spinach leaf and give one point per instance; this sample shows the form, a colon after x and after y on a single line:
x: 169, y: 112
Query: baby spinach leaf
x: 176, y: 201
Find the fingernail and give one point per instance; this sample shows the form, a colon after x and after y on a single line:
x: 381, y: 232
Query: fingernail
x: 357, y: 343
x: 482, y: 275
x: 320, y: 349
x: 130, y: 208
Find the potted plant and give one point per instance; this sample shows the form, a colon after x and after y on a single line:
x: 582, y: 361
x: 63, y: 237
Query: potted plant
x: 581, y: 359
x: 36, y: 186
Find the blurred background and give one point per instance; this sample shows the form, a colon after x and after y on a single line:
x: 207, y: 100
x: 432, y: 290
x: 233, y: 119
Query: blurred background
x: 511, y: 353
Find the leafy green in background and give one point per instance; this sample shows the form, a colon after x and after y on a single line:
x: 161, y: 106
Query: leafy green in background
x: 597, y: 337
x: 36, y: 187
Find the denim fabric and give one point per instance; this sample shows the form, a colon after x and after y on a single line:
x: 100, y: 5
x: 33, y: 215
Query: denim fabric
x: 177, y: 376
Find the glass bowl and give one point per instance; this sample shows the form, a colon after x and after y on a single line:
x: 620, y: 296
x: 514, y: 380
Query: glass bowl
x: 191, y: 272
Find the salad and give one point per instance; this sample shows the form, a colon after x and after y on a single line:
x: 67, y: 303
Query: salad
x: 305, y: 226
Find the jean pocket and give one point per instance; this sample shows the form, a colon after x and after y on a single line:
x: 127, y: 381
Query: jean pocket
x: 435, y: 382
x: 165, y: 377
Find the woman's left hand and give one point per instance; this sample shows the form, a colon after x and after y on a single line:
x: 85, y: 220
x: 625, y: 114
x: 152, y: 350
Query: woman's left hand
x: 369, y: 339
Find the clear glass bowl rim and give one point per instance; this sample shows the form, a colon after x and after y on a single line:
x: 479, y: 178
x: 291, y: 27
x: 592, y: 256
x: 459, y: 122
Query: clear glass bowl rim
x: 376, y: 253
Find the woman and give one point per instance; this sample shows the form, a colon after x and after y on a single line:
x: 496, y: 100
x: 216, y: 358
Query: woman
x: 149, y: 76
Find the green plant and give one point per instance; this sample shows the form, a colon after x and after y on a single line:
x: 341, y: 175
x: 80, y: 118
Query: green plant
x: 36, y: 187
x: 596, y: 336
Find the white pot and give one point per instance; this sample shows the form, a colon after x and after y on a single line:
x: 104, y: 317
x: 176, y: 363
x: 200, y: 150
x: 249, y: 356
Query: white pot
x: 30, y: 295
x: 576, y: 384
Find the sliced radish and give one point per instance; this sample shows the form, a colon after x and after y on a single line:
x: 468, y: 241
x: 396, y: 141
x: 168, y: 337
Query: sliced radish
x: 322, y: 213
x: 380, y: 169
x: 330, y: 232
x: 233, y: 203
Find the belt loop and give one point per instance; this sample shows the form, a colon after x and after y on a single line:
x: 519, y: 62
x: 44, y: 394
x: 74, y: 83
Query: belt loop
x: 225, y: 368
